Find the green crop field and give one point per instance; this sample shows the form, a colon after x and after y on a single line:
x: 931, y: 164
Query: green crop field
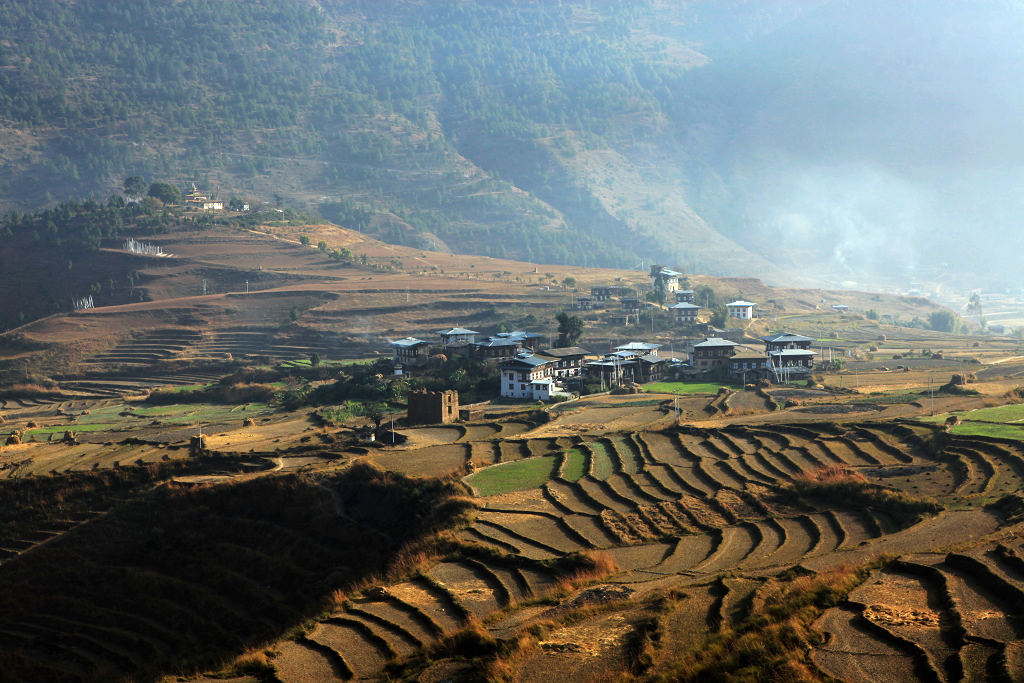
x: 59, y: 429
x: 1013, y: 412
x: 603, y: 467
x: 687, y: 387
x: 1002, y: 431
x: 529, y: 473
x: 575, y: 463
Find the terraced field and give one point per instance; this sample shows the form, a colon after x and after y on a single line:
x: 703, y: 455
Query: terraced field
x: 708, y: 512
x: 934, y: 616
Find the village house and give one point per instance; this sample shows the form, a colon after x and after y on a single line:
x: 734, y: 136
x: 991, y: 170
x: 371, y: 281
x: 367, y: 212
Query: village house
x: 786, y: 340
x: 639, y: 348
x: 741, y: 310
x: 584, y: 303
x: 684, y: 296
x: 628, y: 366
x: 621, y: 319
x: 496, y: 348
x: 457, y: 335
x: 712, y: 355
x: 529, y: 340
x: 664, y: 279
x: 500, y: 345
x: 787, y: 350
x: 842, y: 308
x: 684, y: 313
x: 631, y: 304
x: 569, y: 360
x: 799, y: 360
x: 409, y: 352
x: 605, y: 293
x: 529, y: 377
x: 749, y: 367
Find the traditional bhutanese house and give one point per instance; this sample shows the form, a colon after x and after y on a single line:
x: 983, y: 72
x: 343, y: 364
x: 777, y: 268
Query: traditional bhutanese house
x: 685, y: 313
x: 457, y: 335
x: 712, y: 354
x: 792, y: 358
x: 842, y: 308
x: 782, y: 341
x: 749, y: 366
x: 583, y: 303
x: 569, y: 360
x: 639, y: 348
x: 605, y: 293
x: 621, y: 319
x: 741, y: 310
x: 664, y: 279
x: 410, y: 351
x: 629, y: 366
x: 684, y: 296
x: 528, y: 376
x: 494, y: 347
x: 529, y: 340
x: 631, y: 304
x: 651, y: 367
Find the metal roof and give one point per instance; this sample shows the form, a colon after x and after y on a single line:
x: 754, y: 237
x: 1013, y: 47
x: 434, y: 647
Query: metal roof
x: 785, y: 336
x: 741, y: 302
x: 517, y: 334
x: 408, y: 342
x: 683, y: 305
x: 794, y: 352
x: 668, y: 272
x: 456, y: 330
x: 528, y: 361
x: 637, y: 346
x: 714, y: 341
x: 566, y: 351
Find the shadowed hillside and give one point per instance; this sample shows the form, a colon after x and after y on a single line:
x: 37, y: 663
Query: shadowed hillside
x: 181, y: 578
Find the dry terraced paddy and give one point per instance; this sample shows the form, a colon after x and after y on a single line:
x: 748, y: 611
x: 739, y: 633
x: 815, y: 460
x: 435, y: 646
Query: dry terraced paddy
x: 705, y: 515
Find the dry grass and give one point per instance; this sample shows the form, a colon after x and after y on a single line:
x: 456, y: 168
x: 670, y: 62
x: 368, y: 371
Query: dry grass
x: 774, y: 641
x: 833, y: 474
x: 838, y: 486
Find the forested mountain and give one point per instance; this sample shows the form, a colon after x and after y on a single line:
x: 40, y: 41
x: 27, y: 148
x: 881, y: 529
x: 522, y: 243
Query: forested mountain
x: 831, y: 140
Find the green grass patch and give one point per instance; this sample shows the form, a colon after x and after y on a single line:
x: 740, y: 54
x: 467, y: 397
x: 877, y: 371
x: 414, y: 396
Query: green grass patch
x: 1013, y: 412
x: 529, y: 473
x: 187, y: 387
x: 575, y: 464
x: 688, y: 387
x: 883, y: 398
x: 60, y: 429
x: 603, y: 467
x: 188, y: 413
x: 999, y: 431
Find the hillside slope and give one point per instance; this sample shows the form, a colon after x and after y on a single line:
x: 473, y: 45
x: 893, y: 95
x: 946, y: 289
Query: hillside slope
x: 816, y: 142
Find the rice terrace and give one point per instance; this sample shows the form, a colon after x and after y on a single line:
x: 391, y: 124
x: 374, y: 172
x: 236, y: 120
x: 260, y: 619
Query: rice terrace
x: 231, y: 487
x: 511, y: 341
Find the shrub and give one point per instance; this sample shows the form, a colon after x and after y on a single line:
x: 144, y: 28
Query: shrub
x: 839, y: 486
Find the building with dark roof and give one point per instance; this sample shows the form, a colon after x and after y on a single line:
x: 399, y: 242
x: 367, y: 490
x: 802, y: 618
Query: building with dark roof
x: 684, y: 313
x: 569, y: 360
x: 457, y: 335
x: 712, y: 355
x: 409, y: 351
